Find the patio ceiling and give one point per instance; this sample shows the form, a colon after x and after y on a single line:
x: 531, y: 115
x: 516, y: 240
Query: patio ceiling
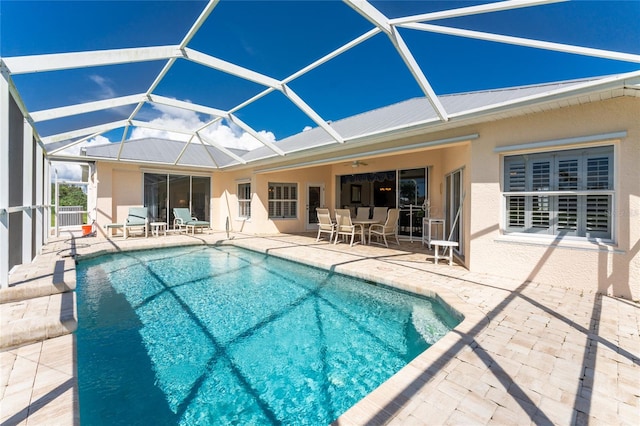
x: 177, y: 72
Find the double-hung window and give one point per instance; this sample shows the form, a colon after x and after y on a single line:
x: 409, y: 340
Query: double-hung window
x: 560, y: 193
x: 283, y: 200
x: 244, y: 200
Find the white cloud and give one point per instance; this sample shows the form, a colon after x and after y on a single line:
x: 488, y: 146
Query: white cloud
x: 307, y: 128
x: 72, y: 171
x: 75, y: 149
x: 230, y: 136
x: 106, y: 91
x: 66, y: 171
x: 223, y: 134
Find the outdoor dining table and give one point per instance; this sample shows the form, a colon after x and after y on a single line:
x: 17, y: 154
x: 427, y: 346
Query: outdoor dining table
x: 364, y: 223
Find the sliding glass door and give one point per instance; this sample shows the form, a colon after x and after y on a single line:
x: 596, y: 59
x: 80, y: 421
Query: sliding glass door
x: 412, y: 192
x: 155, y: 196
x: 376, y: 189
x: 454, y: 197
x: 405, y: 189
x: 179, y: 189
x: 163, y: 192
x: 200, y: 197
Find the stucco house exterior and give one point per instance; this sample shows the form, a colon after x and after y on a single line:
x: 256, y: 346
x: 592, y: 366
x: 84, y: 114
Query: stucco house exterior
x: 535, y: 182
x: 544, y: 179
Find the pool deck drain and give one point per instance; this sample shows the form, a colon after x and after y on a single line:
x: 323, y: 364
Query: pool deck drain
x: 526, y: 353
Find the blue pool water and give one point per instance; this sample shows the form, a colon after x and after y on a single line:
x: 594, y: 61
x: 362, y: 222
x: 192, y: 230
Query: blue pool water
x: 220, y: 335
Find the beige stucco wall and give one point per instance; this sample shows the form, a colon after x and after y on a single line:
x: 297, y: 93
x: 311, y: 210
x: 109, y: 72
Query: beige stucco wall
x: 225, y: 187
x: 608, y: 268
x: 121, y: 186
x: 226, y: 200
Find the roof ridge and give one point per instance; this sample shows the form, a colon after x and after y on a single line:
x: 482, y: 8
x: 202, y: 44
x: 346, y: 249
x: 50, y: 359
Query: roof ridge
x: 175, y: 141
x: 153, y: 137
x: 527, y: 86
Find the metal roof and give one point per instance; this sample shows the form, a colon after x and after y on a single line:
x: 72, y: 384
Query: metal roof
x: 164, y: 151
x: 393, y: 118
x: 202, y: 151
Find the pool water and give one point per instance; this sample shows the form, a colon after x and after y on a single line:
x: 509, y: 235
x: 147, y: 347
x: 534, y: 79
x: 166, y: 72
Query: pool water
x: 219, y: 335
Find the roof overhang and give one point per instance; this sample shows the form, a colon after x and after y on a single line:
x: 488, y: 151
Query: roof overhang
x: 368, y: 144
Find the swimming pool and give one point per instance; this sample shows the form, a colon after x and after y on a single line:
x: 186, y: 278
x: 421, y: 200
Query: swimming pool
x: 215, y: 335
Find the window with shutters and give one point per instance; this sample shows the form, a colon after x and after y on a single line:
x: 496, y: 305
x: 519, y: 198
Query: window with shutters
x: 283, y: 200
x: 244, y: 200
x: 560, y: 193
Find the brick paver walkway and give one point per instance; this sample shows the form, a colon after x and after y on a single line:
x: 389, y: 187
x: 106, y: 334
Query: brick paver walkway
x: 526, y: 353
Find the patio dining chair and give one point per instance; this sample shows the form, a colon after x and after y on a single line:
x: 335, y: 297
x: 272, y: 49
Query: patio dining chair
x: 389, y: 228
x: 344, y: 226
x: 325, y: 224
x: 184, y: 219
x: 380, y: 214
x: 362, y: 213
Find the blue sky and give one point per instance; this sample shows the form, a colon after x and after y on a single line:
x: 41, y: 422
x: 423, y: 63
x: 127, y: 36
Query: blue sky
x: 279, y: 38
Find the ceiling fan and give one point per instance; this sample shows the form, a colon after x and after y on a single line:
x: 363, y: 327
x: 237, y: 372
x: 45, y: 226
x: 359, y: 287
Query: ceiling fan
x: 357, y: 163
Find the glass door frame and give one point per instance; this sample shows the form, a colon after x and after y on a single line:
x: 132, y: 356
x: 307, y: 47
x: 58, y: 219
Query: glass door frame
x: 309, y: 225
x: 185, y: 200
x: 415, y: 211
x: 453, y: 208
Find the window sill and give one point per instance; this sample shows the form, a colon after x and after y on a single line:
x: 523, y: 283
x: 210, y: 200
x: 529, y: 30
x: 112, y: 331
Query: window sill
x: 242, y: 219
x: 572, y: 243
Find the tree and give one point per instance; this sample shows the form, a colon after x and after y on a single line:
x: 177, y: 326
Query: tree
x: 71, y: 195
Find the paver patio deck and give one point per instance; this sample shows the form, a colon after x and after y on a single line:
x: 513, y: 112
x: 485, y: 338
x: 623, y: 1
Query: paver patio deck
x: 526, y: 353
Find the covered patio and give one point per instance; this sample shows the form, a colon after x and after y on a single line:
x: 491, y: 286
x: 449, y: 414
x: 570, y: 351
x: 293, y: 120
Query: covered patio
x: 447, y: 150
x: 536, y: 183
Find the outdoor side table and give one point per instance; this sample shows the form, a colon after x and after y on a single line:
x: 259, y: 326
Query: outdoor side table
x: 156, y: 227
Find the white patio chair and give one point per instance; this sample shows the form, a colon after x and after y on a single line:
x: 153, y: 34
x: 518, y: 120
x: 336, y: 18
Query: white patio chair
x: 390, y: 227
x: 362, y: 213
x: 380, y: 214
x: 344, y: 226
x: 325, y: 224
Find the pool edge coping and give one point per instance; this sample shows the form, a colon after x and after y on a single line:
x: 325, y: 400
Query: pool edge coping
x: 471, y: 316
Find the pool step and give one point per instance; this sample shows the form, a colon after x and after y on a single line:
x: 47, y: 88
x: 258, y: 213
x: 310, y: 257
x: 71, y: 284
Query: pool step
x: 38, y: 304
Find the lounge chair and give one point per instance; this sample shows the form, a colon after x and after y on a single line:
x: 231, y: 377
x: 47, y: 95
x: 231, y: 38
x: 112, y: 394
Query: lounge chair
x: 136, y: 219
x: 184, y: 219
x: 344, y: 225
x: 390, y: 227
x: 325, y: 224
x: 110, y: 228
